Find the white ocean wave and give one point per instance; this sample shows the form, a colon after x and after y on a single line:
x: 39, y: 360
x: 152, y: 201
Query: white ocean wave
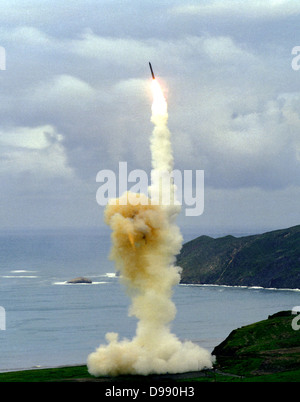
x: 77, y: 284
x: 20, y: 271
x: 19, y: 276
x: 106, y: 275
x: 110, y: 274
x: 239, y: 287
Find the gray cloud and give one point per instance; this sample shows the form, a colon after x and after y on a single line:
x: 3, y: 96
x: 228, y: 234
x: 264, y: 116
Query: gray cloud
x: 75, y: 99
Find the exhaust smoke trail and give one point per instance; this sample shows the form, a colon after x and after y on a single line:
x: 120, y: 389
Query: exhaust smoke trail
x: 145, y: 242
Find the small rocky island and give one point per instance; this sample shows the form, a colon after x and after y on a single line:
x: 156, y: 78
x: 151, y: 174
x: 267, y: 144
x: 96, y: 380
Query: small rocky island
x: 80, y: 279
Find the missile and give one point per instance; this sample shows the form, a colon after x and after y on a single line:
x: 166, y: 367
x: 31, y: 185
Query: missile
x: 151, y: 71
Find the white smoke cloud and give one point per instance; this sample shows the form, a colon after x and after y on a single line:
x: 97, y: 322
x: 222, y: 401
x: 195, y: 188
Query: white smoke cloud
x: 146, y: 240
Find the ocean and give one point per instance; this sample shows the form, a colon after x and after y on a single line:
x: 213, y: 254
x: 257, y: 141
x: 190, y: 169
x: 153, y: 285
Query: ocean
x: 51, y: 323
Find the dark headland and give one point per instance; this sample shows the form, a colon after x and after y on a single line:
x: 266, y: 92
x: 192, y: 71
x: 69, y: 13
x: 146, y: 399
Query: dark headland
x: 269, y: 260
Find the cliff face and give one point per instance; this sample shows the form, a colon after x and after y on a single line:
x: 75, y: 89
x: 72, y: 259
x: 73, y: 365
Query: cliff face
x: 269, y: 260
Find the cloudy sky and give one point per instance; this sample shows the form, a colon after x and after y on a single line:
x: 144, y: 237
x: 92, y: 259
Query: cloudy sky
x: 75, y: 99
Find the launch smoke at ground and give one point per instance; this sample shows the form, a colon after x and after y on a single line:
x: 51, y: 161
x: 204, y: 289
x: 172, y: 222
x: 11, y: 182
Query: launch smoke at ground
x: 145, y: 242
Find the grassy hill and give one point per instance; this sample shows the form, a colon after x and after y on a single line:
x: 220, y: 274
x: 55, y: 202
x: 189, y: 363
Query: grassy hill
x: 270, y: 260
x: 263, y: 348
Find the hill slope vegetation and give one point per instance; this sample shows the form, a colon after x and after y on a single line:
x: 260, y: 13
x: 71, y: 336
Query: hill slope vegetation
x: 265, y: 347
x: 270, y: 260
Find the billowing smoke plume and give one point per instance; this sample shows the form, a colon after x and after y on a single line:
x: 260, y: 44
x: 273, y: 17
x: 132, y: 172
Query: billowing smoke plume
x: 145, y: 241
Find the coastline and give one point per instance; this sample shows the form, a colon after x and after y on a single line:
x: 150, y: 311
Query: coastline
x: 239, y: 287
x: 46, y: 367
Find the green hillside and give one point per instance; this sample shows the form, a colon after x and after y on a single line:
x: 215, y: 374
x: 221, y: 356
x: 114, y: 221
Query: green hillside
x: 266, y: 347
x: 269, y: 260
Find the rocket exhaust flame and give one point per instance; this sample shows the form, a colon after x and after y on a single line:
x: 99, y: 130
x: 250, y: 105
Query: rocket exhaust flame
x: 131, y: 239
x: 145, y: 241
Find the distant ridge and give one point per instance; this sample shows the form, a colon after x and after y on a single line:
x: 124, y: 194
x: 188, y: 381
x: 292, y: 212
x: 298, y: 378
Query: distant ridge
x: 269, y: 260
